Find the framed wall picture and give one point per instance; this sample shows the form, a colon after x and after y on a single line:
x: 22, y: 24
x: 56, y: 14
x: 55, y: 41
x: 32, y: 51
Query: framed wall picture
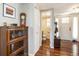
x: 9, y: 11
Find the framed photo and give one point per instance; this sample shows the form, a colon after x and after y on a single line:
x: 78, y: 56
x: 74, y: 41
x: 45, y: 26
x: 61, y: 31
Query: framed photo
x: 9, y: 11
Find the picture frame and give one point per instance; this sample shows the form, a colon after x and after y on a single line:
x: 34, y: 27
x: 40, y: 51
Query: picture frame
x: 9, y: 11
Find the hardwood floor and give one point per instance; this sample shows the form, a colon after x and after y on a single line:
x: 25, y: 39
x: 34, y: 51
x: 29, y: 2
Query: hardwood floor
x: 65, y: 50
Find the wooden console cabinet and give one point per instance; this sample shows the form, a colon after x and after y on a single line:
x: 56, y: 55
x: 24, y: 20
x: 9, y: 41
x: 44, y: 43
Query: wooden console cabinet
x: 57, y: 42
x: 13, y: 41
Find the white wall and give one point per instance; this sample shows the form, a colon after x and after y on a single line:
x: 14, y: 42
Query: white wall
x: 9, y: 20
x: 52, y: 29
x: 68, y: 33
x: 65, y: 32
x: 37, y: 28
x: 33, y: 22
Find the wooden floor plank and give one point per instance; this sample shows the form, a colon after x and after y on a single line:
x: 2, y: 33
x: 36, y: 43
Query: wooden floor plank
x: 65, y: 50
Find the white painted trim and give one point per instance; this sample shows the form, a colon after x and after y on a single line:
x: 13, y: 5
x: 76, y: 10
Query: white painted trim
x: 51, y: 47
x: 34, y: 52
x: 30, y: 55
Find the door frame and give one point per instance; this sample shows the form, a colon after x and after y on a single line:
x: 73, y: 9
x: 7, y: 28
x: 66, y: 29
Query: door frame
x: 52, y: 18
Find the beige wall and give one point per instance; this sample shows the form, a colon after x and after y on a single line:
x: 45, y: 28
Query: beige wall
x: 44, y: 28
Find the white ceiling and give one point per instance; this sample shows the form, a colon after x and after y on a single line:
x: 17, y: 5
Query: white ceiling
x: 59, y: 8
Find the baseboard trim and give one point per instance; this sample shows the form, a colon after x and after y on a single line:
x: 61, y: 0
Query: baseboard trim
x: 34, y: 52
x: 51, y: 47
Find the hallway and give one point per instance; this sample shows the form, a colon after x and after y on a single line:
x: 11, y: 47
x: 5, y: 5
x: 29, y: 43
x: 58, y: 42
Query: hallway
x: 65, y: 50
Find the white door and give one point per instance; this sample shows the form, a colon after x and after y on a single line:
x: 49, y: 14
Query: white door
x: 65, y: 29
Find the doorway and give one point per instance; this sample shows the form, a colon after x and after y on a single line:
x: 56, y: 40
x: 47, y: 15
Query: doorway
x: 45, y: 27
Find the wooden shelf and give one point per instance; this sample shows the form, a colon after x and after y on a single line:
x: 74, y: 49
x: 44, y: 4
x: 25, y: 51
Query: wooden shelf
x: 13, y: 41
x: 17, y: 39
x: 15, y: 28
x: 17, y: 51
